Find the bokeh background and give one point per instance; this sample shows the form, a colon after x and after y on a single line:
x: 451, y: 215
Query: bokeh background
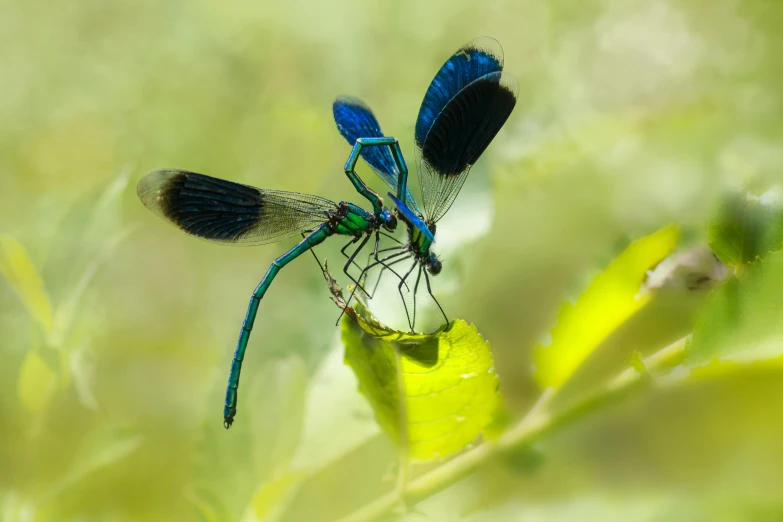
x: 631, y: 115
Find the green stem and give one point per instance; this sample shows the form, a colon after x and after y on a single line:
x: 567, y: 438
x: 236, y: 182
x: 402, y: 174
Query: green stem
x: 535, y: 425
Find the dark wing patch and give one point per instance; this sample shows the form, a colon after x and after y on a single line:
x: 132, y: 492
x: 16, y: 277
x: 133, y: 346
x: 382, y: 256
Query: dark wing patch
x: 459, y: 135
x: 355, y: 120
x: 473, y: 60
x: 227, y: 212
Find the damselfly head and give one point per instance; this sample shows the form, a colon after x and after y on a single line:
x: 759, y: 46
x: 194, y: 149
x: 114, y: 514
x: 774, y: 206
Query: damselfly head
x: 389, y: 220
x: 434, y: 266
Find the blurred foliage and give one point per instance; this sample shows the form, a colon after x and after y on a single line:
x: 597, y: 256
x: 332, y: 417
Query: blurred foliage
x: 741, y: 321
x: 632, y: 115
x: 748, y: 228
x: 20, y: 273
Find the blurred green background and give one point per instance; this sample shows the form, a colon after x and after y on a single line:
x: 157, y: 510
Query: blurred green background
x: 631, y: 115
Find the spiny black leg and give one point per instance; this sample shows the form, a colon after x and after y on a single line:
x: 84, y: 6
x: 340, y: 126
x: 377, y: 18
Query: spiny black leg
x: 368, y: 267
x: 415, y: 291
x: 399, y: 289
x: 351, y: 260
x: 391, y: 237
x: 386, y: 267
x: 373, y: 254
x: 343, y: 249
x: 429, y: 290
x: 382, y: 262
x: 391, y: 248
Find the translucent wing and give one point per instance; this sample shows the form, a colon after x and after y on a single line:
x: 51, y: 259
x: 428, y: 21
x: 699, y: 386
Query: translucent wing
x: 355, y: 120
x: 465, y: 106
x: 225, y: 212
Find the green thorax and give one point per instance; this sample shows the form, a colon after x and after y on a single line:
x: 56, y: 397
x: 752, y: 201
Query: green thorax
x: 351, y: 220
x: 419, y: 234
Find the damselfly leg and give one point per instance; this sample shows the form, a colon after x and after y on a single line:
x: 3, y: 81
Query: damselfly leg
x: 402, y: 296
x: 429, y: 291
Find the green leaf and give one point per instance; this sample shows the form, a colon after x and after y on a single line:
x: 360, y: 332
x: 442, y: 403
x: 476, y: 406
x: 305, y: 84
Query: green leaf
x: 37, y: 383
x: 21, y: 274
x: 99, y: 450
x: 272, y: 498
x: 743, y: 320
x: 432, y: 393
x: 748, y: 228
x: 612, y: 297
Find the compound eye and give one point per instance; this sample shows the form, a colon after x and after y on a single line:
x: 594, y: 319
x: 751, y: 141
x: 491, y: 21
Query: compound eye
x: 435, y: 267
x: 391, y: 223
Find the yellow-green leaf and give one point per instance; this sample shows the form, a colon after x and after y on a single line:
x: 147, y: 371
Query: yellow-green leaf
x: 272, y: 498
x: 612, y: 297
x: 432, y: 393
x: 37, y: 383
x: 21, y: 274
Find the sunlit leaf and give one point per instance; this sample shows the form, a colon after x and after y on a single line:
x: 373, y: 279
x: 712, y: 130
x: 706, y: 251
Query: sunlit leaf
x: 271, y: 499
x: 21, y: 274
x: 432, y: 393
x: 612, y: 297
x: 748, y: 228
x: 743, y: 320
x: 37, y: 382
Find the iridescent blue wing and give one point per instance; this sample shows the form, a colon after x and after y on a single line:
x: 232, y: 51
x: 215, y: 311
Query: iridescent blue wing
x: 355, y: 120
x: 226, y: 212
x: 465, y: 106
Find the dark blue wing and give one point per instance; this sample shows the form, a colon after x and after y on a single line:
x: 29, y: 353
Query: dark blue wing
x: 475, y: 59
x: 355, y: 120
x: 226, y: 212
x: 466, y: 105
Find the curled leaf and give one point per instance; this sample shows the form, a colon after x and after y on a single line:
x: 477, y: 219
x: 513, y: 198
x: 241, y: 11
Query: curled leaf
x: 433, y: 394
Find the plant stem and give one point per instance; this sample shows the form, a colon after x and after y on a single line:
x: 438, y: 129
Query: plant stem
x: 529, y: 430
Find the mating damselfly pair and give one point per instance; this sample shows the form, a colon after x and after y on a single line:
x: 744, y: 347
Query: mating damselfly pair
x: 466, y: 104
